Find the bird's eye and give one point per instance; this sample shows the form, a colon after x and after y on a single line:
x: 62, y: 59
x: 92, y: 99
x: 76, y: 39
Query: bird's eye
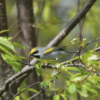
x: 35, y: 52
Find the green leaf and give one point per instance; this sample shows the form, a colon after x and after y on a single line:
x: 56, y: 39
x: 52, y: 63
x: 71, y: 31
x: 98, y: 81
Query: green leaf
x: 32, y: 90
x: 4, y: 50
x: 6, y: 43
x: 18, y: 45
x: 4, y: 31
x: 97, y: 85
x: 63, y: 96
x: 90, y: 89
x: 92, y: 97
x: 10, y: 59
x: 60, y: 76
x: 20, y: 57
x: 17, y: 98
x: 96, y: 45
x: 97, y: 78
x: 65, y: 91
x: 76, y: 75
x: 43, y: 84
x: 56, y: 97
x: 40, y: 26
x: 93, y: 81
x: 71, y: 68
x: 77, y: 57
x: 87, y: 55
x: 49, y: 84
x: 38, y: 70
x: 77, y: 78
x: 83, y: 92
x: 8, y: 38
x: 72, y: 88
x: 67, y: 72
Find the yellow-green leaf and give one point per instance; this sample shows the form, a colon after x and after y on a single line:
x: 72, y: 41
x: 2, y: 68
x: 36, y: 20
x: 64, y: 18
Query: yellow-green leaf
x: 6, y: 43
x: 72, y: 88
x: 56, y: 97
x: 32, y: 90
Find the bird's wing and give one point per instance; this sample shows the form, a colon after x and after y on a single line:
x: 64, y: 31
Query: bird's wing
x: 52, y: 49
x: 49, y: 50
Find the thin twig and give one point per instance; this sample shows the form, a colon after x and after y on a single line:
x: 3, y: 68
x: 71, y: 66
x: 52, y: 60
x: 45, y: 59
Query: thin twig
x: 42, y: 89
x: 87, y: 45
x: 18, y: 33
x: 24, y: 90
x: 85, y: 77
x: 54, y: 85
x: 79, y: 55
x: 24, y: 63
x: 62, y: 90
x: 50, y: 65
x: 92, y: 41
x: 31, y: 98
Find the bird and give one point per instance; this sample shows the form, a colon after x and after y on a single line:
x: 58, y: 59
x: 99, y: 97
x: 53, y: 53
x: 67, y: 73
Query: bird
x: 49, y: 52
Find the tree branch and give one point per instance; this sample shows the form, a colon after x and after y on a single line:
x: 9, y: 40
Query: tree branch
x: 65, y: 31
x: 72, y: 23
x: 26, y: 70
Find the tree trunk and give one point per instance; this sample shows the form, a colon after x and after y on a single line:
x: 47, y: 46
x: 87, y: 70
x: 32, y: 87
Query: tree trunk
x: 28, y: 38
x: 5, y: 70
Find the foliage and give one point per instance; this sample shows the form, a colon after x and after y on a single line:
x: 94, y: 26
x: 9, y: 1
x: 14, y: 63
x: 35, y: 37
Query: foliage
x: 73, y: 79
x: 8, y: 53
x: 83, y: 81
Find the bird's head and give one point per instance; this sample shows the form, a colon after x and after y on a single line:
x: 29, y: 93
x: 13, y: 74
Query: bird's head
x: 34, y: 53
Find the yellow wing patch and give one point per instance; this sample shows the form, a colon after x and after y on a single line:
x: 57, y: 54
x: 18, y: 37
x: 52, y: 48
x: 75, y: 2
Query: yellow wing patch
x: 32, y: 51
x: 49, y: 50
